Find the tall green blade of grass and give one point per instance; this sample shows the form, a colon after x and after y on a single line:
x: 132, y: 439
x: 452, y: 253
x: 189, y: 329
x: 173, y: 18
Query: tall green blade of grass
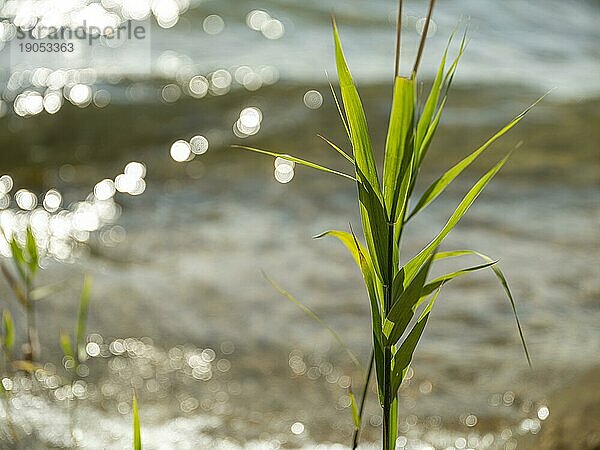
x: 137, y: 431
x: 296, y: 160
x: 33, y: 258
x: 412, y: 266
x: 357, y: 121
x: 84, y: 304
x: 438, y: 186
x: 8, y: 335
x: 313, y: 315
x: 398, y: 154
x: 404, y: 354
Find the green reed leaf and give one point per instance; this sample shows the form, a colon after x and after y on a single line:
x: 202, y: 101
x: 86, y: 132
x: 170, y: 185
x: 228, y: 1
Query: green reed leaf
x: 84, y: 303
x: 43, y: 292
x: 354, y: 408
x: 33, y: 258
x: 14, y: 285
x: 66, y: 345
x: 296, y: 160
x: 438, y: 186
x: 398, y: 147
x: 437, y: 282
x: 8, y: 336
x: 313, y: 315
x: 424, y: 143
x: 18, y: 256
x: 402, y: 310
x: 137, y: 431
x: 404, y: 354
x: 375, y: 225
x: 503, y: 281
x: 413, y: 265
x: 431, y: 104
x: 339, y: 109
x: 357, y: 121
x: 337, y: 149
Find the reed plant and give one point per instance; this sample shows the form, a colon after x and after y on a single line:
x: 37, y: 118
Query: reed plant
x: 25, y: 258
x: 400, y: 290
x: 74, y: 349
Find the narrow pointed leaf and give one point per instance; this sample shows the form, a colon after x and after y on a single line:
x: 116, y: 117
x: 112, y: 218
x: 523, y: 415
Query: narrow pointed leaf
x: 339, y: 109
x: 337, y: 149
x: 14, y: 285
x: 8, y: 332
x: 432, y: 102
x: 348, y: 240
x: 403, y: 310
x: 398, y: 143
x: 84, y: 302
x: 32, y: 252
x: 502, y: 279
x: 296, y: 160
x: 137, y: 430
x: 413, y: 265
x: 309, y: 312
x: 441, y: 183
x: 357, y: 121
x: 354, y: 409
x: 18, y: 257
x: 66, y: 346
x: 404, y: 354
x: 436, y: 283
x: 423, y: 144
x: 45, y: 291
x: 375, y: 225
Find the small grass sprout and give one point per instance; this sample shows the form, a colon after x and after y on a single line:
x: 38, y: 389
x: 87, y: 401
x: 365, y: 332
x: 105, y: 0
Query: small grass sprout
x: 137, y: 429
x: 26, y: 260
x: 74, y: 349
x: 399, y: 288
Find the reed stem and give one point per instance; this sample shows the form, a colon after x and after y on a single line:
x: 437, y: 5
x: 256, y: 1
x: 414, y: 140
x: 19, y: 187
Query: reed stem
x: 423, y: 37
x: 361, y: 407
x: 398, y: 39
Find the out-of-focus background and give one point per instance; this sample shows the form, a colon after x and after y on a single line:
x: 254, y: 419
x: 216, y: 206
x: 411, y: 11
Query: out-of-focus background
x: 124, y: 170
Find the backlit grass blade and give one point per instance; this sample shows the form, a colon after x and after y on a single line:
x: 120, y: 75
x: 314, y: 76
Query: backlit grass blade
x: 354, y: 409
x: 33, y: 258
x: 339, y: 109
x: 66, y: 346
x: 398, y: 146
x: 137, y: 431
x: 310, y: 313
x: 45, y: 291
x: 18, y: 256
x: 401, y: 313
x: 348, y: 240
x: 84, y: 302
x: 404, y: 354
x: 432, y: 102
x: 337, y: 149
x: 437, y: 282
x: 425, y: 141
x: 14, y: 285
x: 413, y: 265
x: 438, y: 186
x: 503, y: 281
x: 357, y: 122
x: 362, y: 259
x: 8, y: 332
x: 375, y: 225
x: 296, y: 160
